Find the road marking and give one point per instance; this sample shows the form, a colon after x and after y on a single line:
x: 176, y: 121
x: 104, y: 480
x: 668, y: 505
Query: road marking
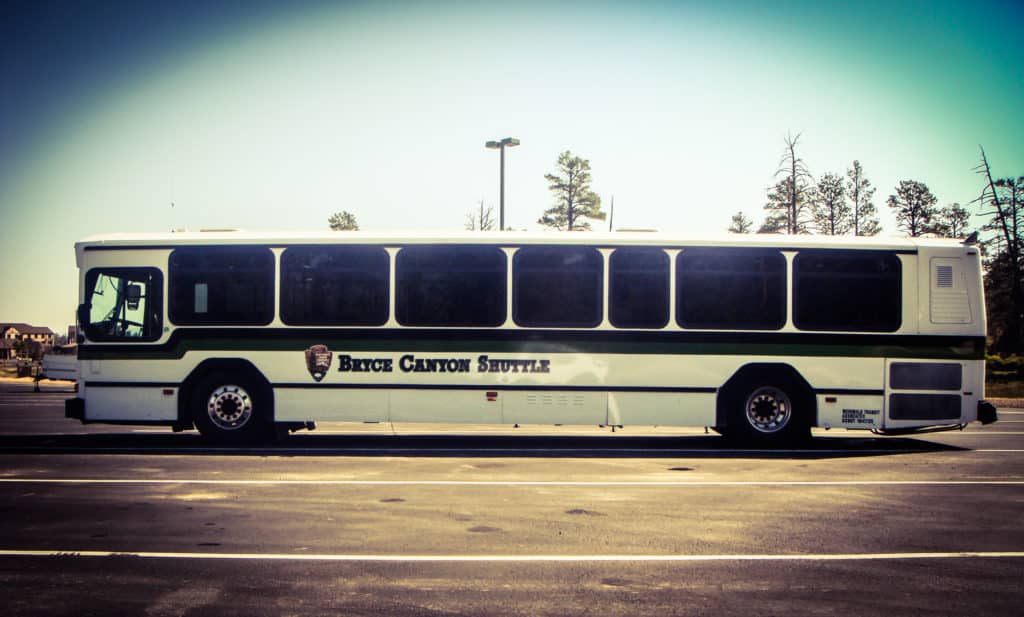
x: 448, y: 451
x: 640, y: 483
x: 517, y: 558
x: 977, y: 433
x: 436, y: 450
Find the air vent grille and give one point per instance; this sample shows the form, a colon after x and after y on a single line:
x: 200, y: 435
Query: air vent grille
x: 944, y: 276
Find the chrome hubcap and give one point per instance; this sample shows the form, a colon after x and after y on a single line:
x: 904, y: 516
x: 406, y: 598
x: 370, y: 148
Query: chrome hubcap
x: 229, y: 407
x: 768, y: 409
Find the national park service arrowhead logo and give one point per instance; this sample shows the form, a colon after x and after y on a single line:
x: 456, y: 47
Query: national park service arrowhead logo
x: 318, y: 361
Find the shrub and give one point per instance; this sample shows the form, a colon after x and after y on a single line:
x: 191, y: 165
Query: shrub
x: 1005, y: 367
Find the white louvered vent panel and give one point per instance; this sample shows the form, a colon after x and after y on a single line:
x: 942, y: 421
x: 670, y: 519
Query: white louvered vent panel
x: 950, y: 307
x: 556, y: 400
x: 949, y: 300
x: 545, y: 400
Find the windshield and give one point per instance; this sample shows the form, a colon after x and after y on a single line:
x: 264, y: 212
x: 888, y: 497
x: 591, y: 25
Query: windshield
x: 122, y: 303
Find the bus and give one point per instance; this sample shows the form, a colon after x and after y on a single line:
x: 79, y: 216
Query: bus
x: 245, y: 335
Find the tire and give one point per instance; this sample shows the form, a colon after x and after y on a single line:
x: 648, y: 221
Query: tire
x: 769, y: 411
x: 232, y: 407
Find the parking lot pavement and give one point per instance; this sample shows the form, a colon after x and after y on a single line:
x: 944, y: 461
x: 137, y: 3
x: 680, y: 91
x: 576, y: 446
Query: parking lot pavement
x: 424, y: 520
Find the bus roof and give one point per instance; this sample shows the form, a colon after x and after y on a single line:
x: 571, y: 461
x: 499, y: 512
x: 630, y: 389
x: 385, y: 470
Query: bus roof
x: 288, y: 238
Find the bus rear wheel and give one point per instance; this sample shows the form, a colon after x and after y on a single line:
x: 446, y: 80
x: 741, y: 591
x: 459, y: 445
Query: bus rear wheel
x: 231, y: 407
x: 771, y: 411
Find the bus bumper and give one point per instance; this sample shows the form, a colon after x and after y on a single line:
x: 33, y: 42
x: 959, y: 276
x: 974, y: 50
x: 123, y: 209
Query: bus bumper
x: 987, y: 412
x: 74, y: 408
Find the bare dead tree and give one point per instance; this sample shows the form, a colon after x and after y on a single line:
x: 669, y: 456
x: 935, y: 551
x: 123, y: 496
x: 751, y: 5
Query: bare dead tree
x: 1005, y: 215
x: 798, y: 182
x: 481, y: 219
x: 1005, y: 197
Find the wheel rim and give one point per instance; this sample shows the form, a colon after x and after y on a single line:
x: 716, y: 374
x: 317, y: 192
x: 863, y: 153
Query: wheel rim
x: 768, y: 409
x: 229, y: 407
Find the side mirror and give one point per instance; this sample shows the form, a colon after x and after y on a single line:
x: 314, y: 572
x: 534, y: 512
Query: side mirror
x: 132, y: 295
x: 83, y: 314
x: 83, y: 320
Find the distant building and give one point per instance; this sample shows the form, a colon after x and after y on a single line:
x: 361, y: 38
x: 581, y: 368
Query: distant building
x: 13, y: 332
x: 6, y: 349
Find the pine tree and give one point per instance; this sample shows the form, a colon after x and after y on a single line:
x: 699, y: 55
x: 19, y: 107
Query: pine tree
x: 740, y: 224
x: 952, y: 221
x: 831, y: 212
x: 779, y: 209
x: 860, y: 192
x: 915, y: 208
x: 574, y: 201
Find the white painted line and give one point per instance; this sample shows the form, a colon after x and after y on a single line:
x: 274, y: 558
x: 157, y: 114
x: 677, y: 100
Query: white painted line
x: 997, y: 450
x: 517, y: 558
x: 497, y: 452
x: 975, y: 433
x: 401, y: 451
x: 641, y: 483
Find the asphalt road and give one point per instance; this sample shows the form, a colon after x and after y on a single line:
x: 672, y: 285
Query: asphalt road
x: 456, y: 520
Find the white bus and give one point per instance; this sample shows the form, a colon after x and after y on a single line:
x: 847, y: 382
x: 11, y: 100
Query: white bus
x: 244, y: 335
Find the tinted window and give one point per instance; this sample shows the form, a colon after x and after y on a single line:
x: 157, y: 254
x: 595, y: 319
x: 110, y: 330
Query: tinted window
x: 639, y: 282
x: 922, y: 376
x: 451, y: 286
x: 221, y: 285
x: 122, y: 304
x: 334, y: 285
x: 558, y: 286
x: 847, y: 291
x: 735, y: 289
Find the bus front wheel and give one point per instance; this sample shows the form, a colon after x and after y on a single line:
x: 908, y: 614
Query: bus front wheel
x: 231, y: 407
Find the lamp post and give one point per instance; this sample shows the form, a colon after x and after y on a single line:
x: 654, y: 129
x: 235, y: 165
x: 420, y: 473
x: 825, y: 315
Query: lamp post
x: 500, y: 145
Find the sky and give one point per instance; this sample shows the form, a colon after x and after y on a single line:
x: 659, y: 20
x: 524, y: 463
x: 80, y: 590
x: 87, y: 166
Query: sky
x: 148, y: 117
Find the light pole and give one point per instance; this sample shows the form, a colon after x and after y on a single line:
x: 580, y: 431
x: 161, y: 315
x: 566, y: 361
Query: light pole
x: 500, y: 145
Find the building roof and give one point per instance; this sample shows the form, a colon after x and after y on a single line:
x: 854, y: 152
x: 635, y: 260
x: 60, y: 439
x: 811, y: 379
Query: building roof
x: 24, y: 328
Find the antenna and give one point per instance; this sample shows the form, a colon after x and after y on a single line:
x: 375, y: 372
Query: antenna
x: 611, y: 215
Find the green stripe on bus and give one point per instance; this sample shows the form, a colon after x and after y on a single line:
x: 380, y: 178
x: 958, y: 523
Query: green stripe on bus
x: 953, y: 348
